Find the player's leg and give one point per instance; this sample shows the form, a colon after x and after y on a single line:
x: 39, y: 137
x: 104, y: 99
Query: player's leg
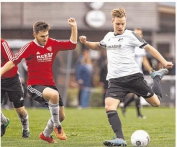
x: 111, y: 110
x: 52, y: 96
x: 4, y: 123
x: 4, y: 120
x: 141, y: 88
x: 18, y: 102
x: 153, y: 100
x: 157, y: 88
x: 114, y: 95
x: 157, y: 76
x: 129, y: 98
x: 114, y: 120
x: 138, y: 107
x: 23, y: 116
x: 43, y: 94
x: 46, y: 134
x: 62, y: 113
x: 15, y: 94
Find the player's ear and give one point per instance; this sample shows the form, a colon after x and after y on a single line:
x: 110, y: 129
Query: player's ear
x: 112, y: 20
x: 34, y: 34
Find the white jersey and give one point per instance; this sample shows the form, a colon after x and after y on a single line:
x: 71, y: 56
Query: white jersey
x: 139, y: 54
x: 121, y: 53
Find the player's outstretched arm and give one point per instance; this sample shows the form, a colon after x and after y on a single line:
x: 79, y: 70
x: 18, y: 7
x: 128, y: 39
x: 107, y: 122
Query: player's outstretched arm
x: 9, y: 65
x: 91, y: 45
x: 158, y: 56
x: 74, y: 32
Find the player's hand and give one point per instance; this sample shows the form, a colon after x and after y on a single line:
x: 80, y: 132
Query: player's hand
x: 83, y: 39
x: 168, y: 64
x: 72, y: 22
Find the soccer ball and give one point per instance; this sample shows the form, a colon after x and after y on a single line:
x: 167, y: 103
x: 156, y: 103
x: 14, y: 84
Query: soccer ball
x: 140, y: 138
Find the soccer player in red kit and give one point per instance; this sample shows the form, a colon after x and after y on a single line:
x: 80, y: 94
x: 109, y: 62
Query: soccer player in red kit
x: 39, y: 55
x: 11, y: 84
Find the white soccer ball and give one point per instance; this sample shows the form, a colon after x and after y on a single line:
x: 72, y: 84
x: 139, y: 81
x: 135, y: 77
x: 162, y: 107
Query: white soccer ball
x: 140, y: 138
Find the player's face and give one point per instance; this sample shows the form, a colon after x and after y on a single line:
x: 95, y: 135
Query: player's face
x: 119, y: 25
x: 42, y: 37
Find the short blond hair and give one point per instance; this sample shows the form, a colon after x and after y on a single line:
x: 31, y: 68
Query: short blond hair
x: 119, y: 12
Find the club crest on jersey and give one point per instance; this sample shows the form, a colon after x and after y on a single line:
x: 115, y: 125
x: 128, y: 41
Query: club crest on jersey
x: 49, y: 48
x: 120, y: 39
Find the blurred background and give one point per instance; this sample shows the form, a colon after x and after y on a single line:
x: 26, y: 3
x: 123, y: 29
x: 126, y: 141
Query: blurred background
x: 156, y: 19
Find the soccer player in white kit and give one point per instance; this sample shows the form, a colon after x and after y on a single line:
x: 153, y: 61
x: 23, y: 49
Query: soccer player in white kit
x: 124, y: 75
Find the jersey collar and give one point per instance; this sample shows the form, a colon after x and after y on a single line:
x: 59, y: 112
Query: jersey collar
x: 37, y: 43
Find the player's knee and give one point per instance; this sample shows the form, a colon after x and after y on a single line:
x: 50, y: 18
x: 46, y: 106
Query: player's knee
x: 156, y: 104
x: 18, y: 104
x: 54, y: 96
x: 108, y: 107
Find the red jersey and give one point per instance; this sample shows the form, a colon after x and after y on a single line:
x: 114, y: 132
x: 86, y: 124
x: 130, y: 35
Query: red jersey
x: 6, y: 55
x: 39, y: 60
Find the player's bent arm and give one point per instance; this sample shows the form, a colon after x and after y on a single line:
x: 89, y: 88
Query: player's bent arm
x: 73, y: 37
x: 73, y: 24
x: 156, y: 54
x: 9, y: 65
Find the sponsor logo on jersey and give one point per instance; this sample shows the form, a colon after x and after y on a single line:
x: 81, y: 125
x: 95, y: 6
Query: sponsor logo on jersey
x: 45, y: 58
x: 114, y: 47
x: 38, y: 53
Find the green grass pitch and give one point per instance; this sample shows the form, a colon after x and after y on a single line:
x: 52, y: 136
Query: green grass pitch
x: 89, y: 127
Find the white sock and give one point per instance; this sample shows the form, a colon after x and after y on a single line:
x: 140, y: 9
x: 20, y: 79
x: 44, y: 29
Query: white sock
x: 49, y: 128
x: 54, y: 111
x: 3, y: 119
x: 24, y: 121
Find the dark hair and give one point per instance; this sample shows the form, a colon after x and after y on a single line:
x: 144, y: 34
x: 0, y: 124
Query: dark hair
x: 40, y: 26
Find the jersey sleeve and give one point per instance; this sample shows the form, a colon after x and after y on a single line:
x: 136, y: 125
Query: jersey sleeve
x: 24, y: 52
x: 64, y: 45
x: 6, y: 51
x: 102, y: 43
x: 140, y: 52
x: 138, y: 41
